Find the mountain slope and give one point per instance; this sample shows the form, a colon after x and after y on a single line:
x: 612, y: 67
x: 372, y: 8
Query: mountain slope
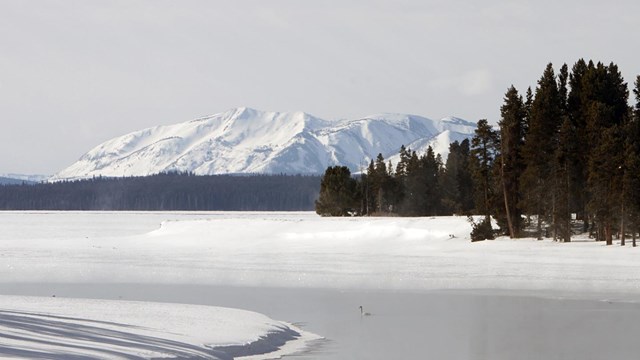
x: 245, y: 140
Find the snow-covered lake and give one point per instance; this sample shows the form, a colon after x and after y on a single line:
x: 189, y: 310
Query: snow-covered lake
x: 431, y: 292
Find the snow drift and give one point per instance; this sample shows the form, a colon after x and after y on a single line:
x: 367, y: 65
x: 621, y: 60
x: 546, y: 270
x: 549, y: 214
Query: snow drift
x: 63, y: 328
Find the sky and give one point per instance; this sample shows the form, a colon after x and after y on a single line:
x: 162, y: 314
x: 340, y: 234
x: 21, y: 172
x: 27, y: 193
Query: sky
x: 75, y: 73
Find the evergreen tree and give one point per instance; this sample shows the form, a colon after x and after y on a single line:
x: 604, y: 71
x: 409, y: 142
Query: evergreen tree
x: 605, y: 179
x: 605, y: 96
x: 631, y: 180
x: 380, y: 180
x: 455, y: 180
x: 371, y: 189
x: 483, y: 153
x: 401, y: 168
x: 576, y: 111
x: 393, y: 189
x: 432, y: 196
x: 563, y: 92
x: 562, y: 186
x: 415, y: 187
x: 449, y: 180
x: 338, y: 193
x: 528, y: 104
x: 538, y: 179
x: 512, y: 127
x: 565, y: 150
x: 465, y: 181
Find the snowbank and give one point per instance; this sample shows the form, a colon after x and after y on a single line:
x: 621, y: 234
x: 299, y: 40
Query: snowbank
x: 59, y: 328
x: 304, y: 250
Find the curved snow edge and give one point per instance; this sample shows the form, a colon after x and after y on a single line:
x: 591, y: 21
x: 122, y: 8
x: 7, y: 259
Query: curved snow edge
x: 59, y: 327
x: 288, y: 340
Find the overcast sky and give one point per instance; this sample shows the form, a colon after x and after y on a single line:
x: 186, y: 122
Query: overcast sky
x: 76, y: 73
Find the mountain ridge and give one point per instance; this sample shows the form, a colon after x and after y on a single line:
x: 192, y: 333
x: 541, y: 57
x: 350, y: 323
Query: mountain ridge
x: 246, y: 140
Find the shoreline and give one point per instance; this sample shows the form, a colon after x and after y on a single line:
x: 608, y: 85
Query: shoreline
x: 65, y: 327
x: 481, y: 321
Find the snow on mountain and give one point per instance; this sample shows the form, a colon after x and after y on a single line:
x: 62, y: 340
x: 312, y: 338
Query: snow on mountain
x: 20, y: 178
x: 245, y: 140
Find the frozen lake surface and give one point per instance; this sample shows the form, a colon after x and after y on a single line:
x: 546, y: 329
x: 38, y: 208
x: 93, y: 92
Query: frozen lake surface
x: 430, y: 295
x: 409, y: 325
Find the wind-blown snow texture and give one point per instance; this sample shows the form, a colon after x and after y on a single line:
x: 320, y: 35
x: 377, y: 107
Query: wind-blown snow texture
x: 63, y: 328
x: 245, y: 140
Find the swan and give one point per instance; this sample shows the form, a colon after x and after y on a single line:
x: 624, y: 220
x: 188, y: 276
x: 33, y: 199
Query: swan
x: 362, y: 313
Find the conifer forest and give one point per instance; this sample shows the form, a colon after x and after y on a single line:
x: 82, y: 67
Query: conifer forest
x: 167, y: 191
x: 564, y: 158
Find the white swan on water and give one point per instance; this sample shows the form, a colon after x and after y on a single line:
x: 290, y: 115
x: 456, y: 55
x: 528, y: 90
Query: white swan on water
x: 362, y: 313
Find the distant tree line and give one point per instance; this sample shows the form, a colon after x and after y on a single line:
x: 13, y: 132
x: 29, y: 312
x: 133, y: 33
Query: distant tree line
x: 569, y: 148
x: 416, y: 186
x: 172, y: 191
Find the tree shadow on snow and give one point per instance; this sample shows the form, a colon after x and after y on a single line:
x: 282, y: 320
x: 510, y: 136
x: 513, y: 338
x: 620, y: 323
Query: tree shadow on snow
x: 42, y: 336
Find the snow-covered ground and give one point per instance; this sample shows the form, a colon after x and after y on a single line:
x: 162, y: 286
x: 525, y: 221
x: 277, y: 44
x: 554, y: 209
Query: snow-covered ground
x: 61, y: 328
x: 304, y: 250
x: 288, y: 251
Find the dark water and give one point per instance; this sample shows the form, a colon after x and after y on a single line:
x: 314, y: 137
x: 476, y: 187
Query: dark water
x: 407, y: 325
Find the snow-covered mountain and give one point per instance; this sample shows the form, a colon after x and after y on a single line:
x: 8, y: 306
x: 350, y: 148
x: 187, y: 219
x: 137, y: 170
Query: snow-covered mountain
x: 245, y: 140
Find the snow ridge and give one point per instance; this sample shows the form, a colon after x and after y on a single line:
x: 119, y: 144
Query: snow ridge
x: 245, y: 140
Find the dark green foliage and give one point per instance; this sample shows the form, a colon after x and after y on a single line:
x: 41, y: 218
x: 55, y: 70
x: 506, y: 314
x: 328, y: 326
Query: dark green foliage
x: 541, y: 140
x: 455, y: 180
x: 481, y: 230
x: 483, y: 153
x: 604, y: 101
x: 563, y: 92
x: 578, y: 159
x: 383, y: 188
x: 562, y: 181
x: 512, y: 127
x: 564, y: 152
x: 631, y: 179
x: 415, y: 187
x: 170, y: 191
x: 465, y: 179
x: 433, y: 197
x: 338, y: 193
x: 605, y: 175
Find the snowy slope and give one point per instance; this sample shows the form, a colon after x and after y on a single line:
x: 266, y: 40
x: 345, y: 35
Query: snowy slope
x: 245, y: 140
x: 57, y: 328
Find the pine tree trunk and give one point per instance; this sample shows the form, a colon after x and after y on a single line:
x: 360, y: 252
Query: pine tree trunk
x: 506, y: 203
x: 608, y: 234
x: 539, y: 226
x: 622, y: 236
x: 553, y: 217
x: 633, y: 237
x: 585, y: 221
x: 486, y: 201
x: 567, y: 209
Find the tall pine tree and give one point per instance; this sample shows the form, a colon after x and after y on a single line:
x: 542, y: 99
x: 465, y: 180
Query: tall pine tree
x: 576, y: 111
x: 512, y: 125
x: 605, y: 96
x: 484, y: 150
x: 537, y: 179
x: 631, y: 180
x: 565, y: 149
